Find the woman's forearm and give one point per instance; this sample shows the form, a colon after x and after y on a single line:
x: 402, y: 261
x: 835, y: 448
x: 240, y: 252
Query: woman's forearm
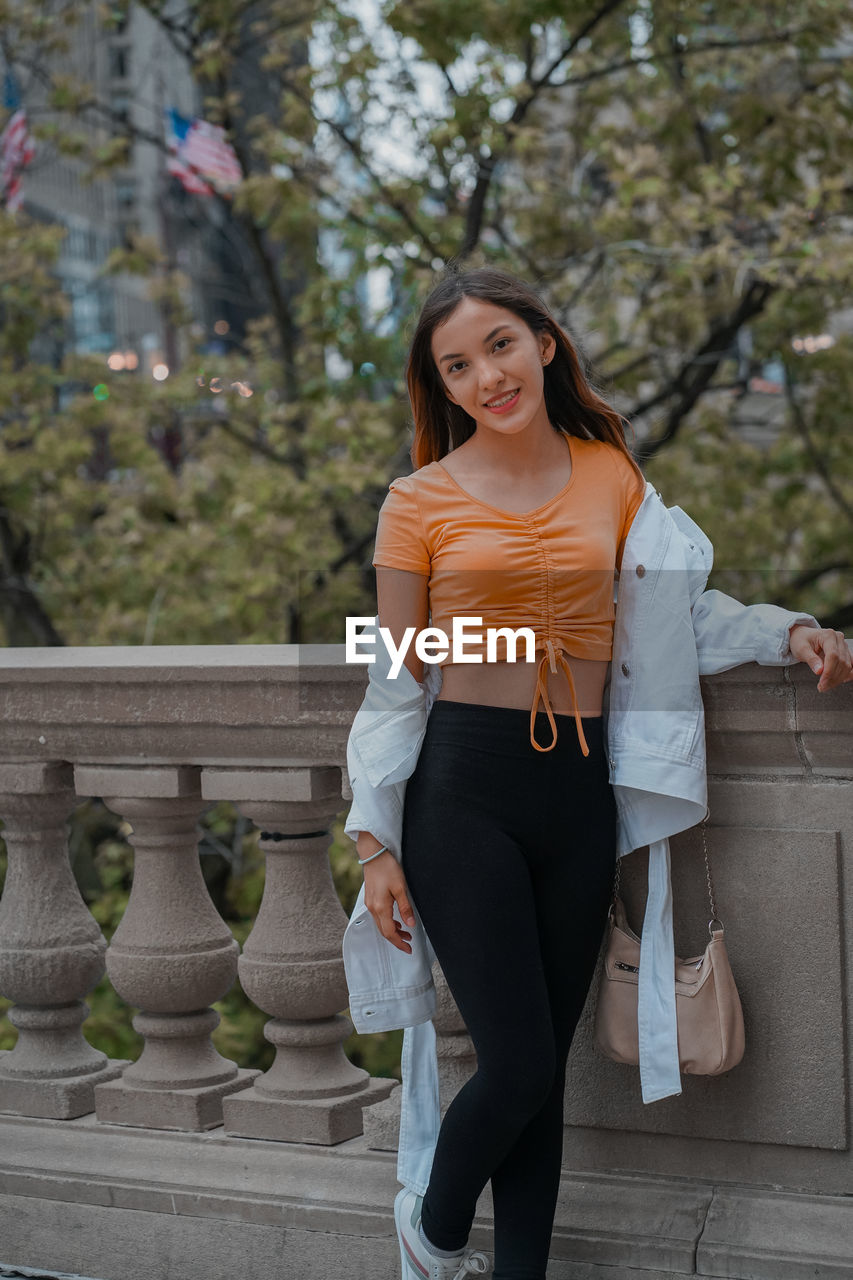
x: 366, y: 844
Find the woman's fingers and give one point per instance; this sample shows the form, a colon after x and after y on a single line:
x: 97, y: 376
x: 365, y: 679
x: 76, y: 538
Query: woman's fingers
x: 826, y: 651
x: 380, y: 904
x: 406, y: 912
x: 393, y: 930
x: 837, y: 660
x: 404, y: 943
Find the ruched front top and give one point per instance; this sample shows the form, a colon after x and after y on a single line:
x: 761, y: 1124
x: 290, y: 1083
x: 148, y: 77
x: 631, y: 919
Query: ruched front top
x: 550, y: 569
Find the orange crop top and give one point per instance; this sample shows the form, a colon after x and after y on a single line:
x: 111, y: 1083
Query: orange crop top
x: 550, y: 569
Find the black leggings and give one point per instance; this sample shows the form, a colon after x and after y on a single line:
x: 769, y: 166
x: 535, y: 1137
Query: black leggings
x: 508, y: 854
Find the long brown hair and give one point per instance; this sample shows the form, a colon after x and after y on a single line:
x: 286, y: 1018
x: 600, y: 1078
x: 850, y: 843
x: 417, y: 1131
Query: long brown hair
x: 571, y: 402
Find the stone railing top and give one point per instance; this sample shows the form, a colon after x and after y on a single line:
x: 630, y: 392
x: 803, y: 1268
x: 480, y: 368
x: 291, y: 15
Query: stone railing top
x: 267, y: 705
x: 199, y: 704
x: 184, y: 662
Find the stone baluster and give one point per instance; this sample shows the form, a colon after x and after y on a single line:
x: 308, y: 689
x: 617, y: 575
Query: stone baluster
x: 51, y: 952
x: 457, y: 1060
x: 292, y: 966
x: 172, y: 955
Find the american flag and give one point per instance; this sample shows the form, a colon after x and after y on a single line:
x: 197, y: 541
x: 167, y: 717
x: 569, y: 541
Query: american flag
x: 17, y: 147
x: 200, y: 156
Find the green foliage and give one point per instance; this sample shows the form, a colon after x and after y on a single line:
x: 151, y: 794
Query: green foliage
x: 645, y: 165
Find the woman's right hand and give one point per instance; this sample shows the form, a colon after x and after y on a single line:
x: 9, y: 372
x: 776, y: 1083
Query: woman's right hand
x: 385, y: 884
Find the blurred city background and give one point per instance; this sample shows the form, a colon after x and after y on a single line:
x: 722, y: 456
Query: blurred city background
x: 218, y: 219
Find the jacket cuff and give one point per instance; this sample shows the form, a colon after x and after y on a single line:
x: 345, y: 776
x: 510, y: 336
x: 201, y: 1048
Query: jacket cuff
x: 785, y: 655
x: 374, y: 819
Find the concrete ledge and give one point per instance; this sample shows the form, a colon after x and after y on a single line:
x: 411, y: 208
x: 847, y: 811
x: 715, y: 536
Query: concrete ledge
x: 102, y: 1200
x: 631, y: 1225
x: 140, y: 1245
x: 768, y: 1236
x: 16, y: 1272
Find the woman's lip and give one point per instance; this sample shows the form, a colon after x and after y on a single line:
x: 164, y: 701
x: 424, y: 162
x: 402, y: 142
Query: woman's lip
x: 503, y: 407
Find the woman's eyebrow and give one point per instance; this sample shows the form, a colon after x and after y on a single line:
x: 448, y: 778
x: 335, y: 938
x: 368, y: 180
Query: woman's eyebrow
x: 458, y: 354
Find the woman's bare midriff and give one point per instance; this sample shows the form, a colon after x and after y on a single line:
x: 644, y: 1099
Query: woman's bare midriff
x: 513, y: 684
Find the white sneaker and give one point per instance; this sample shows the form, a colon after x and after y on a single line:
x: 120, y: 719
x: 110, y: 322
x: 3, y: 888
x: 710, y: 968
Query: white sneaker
x: 418, y: 1262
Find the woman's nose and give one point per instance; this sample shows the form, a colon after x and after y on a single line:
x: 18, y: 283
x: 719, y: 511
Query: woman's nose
x: 490, y: 375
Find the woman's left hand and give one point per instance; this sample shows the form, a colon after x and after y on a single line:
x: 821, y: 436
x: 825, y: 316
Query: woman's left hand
x: 825, y: 651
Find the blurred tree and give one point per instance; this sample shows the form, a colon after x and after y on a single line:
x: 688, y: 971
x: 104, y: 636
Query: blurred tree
x: 674, y: 177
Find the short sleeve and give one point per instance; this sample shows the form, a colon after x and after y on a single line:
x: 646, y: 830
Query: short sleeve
x: 400, y: 539
x: 633, y: 491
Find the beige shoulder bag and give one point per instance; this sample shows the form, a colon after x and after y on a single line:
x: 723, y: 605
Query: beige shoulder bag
x: 708, y: 1008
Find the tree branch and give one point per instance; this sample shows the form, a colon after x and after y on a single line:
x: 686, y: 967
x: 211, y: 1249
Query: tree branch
x: 806, y: 577
x: 26, y: 619
x: 355, y: 149
x: 696, y: 374
x: 518, y: 249
x: 708, y: 46
x: 543, y: 81
x: 282, y: 310
x: 818, y: 461
x: 253, y: 442
x: 486, y: 165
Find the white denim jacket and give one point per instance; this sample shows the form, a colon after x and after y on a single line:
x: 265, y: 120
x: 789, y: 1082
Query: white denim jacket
x: 668, y: 631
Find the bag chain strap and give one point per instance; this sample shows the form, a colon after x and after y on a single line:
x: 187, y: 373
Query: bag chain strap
x: 715, y: 919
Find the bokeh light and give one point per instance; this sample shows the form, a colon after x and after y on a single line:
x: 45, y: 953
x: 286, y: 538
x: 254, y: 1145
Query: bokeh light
x: 160, y: 372
x: 813, y: 342
x: 101, y: 391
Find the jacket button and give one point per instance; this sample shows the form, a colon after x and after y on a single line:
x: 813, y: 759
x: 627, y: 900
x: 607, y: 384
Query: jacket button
x: 612, y: 763
x: 641, y: 569
x: 626, y: 670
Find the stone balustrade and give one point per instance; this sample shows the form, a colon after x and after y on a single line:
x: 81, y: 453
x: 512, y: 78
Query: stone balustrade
x: 214, y: 1167
x: 81, y: 723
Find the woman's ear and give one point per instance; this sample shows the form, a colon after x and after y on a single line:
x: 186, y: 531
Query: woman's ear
x: 549, y: 346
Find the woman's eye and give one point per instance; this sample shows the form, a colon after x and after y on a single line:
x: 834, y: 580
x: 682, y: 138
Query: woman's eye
x: 454, y: 367
x: 501, y: 342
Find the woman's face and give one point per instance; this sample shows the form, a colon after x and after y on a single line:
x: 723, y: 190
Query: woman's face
x: 492, y: 364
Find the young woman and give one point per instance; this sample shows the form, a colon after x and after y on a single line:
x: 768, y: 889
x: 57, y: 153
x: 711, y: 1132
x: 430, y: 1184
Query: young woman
x: 518, y: 512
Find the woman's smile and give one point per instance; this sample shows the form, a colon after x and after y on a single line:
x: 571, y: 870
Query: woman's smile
x: 503, y: 403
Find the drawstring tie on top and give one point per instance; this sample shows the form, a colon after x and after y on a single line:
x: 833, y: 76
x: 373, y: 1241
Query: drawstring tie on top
x: 552, y: 655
